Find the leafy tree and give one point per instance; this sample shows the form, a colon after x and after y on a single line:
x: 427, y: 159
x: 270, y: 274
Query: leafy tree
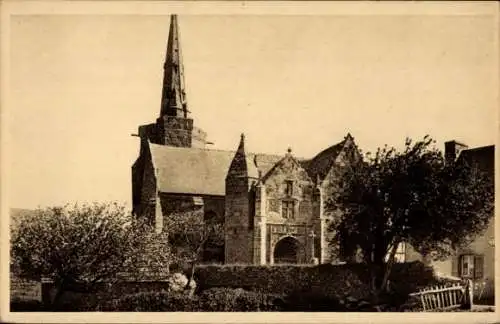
x: 413, y: 197
x: 78, y: 245
x: 150, y: 255
x: 189, y: 233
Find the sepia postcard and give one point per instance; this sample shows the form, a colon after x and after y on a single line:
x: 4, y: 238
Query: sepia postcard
x: 251, y: 161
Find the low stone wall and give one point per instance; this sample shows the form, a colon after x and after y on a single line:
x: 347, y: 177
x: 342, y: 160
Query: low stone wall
x: 25, y: 290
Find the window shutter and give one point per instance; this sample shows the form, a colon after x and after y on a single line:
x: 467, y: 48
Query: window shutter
x: 456, y: 262
x: 478, y: 266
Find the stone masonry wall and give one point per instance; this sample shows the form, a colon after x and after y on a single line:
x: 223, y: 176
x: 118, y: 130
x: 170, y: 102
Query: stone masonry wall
x: 177, y: 131
x: 148, y: 193
x: 238, y: 229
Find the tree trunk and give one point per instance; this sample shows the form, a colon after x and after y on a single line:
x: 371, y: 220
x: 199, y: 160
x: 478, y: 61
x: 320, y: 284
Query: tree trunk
x: 60, y: 289
x: 389, y: 265
x: 191, y: 275
x: 378, y: 262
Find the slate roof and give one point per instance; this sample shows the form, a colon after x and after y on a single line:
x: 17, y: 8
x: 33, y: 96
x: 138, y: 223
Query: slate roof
x: 483, y: 157
x: 201, y: 171
x: 319, y: 165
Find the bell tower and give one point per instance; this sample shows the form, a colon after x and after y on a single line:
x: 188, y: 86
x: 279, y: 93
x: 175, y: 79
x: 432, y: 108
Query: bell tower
x: 174, y: 127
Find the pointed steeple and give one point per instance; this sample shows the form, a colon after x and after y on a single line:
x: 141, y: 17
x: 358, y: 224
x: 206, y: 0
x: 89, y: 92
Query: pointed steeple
x: 243, y: 164
x: 173, y: 99
x: 241, y: 146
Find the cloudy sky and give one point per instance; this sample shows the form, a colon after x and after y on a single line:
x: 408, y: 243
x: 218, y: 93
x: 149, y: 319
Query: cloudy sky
x: 81, y: 84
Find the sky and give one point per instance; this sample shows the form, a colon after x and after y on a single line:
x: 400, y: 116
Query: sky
x: 80, y: 85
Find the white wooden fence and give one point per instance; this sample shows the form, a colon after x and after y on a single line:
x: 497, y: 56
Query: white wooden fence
x: 439, y: 298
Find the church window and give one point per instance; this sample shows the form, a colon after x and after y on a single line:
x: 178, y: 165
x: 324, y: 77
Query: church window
x: 289, y: 187
x: 288, y: 209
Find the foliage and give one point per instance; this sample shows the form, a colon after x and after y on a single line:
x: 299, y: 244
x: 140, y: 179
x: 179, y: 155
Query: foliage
x: 212, y: 300
x: 80, y: 245
x: 406, y: 278
x: 150, y: 256
x: 284, y: 279
x: 188, y: 233
x: 157, y: 301
x: 237, y: 299
x: 266, y: 288
x: 411, y: 196
x: 307, y: 300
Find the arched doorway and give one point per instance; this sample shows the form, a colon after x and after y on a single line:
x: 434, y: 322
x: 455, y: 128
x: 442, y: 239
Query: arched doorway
x: 287, y: 250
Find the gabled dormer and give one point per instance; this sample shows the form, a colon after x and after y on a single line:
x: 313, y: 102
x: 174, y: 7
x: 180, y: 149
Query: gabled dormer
x: 288, y: 191
x: 324, y: 166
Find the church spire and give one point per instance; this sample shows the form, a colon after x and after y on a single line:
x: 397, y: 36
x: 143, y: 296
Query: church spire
x: 173, y: 99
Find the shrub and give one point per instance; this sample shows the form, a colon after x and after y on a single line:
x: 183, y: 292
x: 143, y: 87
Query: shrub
x: 212, y: 300
x: 282, y: 279
x: 339, y: 280
x: 412, y: 275
x: 219, y: 299
x: 315, y: 288
x: 311, y: 301
x: 152, y: 302
x: 250, y: 301
x: 237, y: 300
x: 84, y: 245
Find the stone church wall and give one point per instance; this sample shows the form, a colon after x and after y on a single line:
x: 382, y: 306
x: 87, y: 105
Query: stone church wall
x: 148, y: 192
x: 331, y: 184
x: 239, y: 220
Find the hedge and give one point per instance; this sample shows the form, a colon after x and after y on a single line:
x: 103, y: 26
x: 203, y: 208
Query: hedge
x: 254, y: 288
x: 211, y: 300
x: 155, y: 301
x: 325, y: 279
x: 239, y: 300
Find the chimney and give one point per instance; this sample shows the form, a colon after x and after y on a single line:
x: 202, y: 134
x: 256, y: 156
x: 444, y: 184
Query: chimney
x: 452, y: 150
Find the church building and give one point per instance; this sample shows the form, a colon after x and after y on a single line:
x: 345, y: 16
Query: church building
x: 272, y: 206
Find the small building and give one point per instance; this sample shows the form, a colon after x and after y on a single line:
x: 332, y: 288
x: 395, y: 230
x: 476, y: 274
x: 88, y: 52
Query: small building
x: 476, y: 261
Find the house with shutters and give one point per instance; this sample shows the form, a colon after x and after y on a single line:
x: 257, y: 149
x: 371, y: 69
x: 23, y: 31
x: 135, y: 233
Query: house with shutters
x: 476, y: 261
x: 272, y: 206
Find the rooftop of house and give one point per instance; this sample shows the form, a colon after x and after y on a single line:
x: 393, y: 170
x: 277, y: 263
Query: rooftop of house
x: 483, y: 157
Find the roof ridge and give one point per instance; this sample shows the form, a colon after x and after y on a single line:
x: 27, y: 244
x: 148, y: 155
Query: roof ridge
x: 479, y: 148
x: 190, y: 148
x: 219, y: 150
x: 329, y: 148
